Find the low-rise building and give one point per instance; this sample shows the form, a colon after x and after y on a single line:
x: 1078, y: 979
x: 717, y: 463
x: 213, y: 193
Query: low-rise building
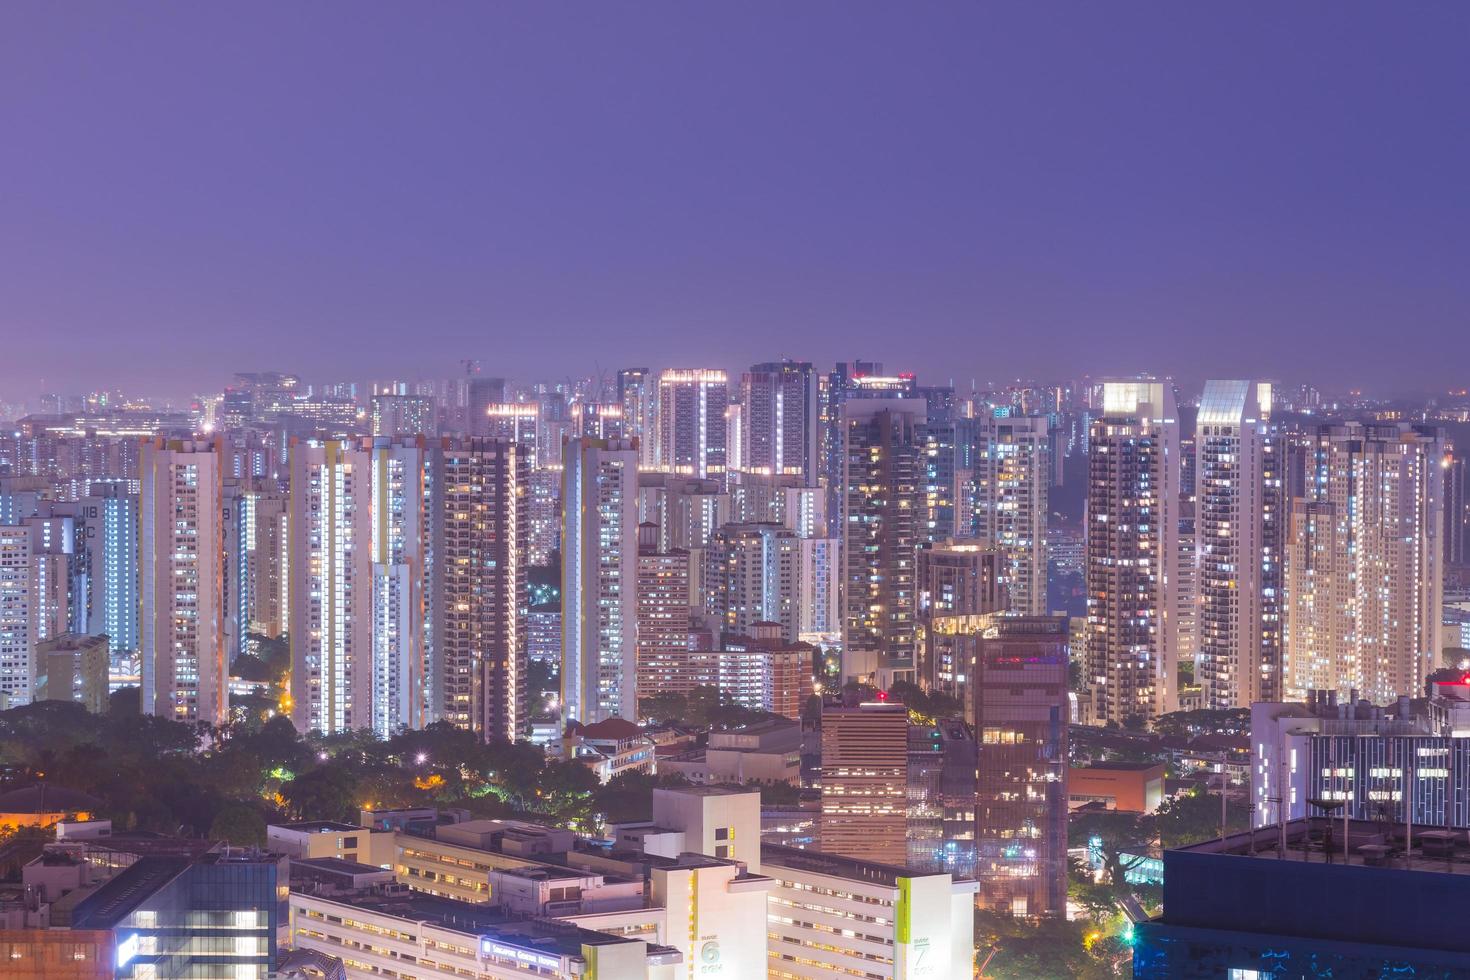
x: 765, y: 752
x: 74, y: 667
x: 612, y: 747
x: 464, y: 862
x: 330, y: 838
x: 391, y: 932
x: 1137, y: 787
x: 832, y: 916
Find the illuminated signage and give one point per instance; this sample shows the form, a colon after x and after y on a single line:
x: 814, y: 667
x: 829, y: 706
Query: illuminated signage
x: 489, y: 947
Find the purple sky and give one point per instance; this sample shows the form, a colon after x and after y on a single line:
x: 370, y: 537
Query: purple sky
x: 970, y: 190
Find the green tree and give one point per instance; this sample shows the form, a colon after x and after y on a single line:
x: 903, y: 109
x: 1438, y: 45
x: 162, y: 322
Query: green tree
x: 125, y: 701
x: 238, y: 824
x: 1114, y: 833
x: 1195, y: 817
x: 327, y: 792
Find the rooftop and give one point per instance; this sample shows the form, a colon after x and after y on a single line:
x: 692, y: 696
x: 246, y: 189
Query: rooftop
x: 1370, y: 844
x: 836, y: 865
x: 322, y: 827
x: 710, y: 791
x: 548, y: 936
x: 1118, y: 766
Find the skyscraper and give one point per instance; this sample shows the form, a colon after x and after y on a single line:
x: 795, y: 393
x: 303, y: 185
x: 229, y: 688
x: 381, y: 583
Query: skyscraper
x: 638, y: 394
x: 691, y: 422
x: 1364, y: 561
x: 1010, y: 483
x: 111, y: 517
x: 1456, y: 510
x: 1132, y: 551
x: 663, y: 610
x: 1240, y: 528
x: 881, y: 503
x: 1021, y: 714
x: 599, y: 579
x: 779, y: 417
x: 480, y: 394
x: 853, y: 379
x: 181, y: 562
x: 481, y: 542
x: 959, y: 592
x: 403, y: 415
x: 401, y: 552
x: 865, y: 761
x: 752, y: 577
x: 330, y: 586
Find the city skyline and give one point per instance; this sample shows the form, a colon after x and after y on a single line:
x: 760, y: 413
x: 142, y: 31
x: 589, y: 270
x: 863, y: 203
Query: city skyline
x: 1038, y: 194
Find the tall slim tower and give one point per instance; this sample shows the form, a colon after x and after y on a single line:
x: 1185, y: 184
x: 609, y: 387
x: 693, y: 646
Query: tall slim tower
x: 599, y: 576
x: 400, y: 551
x: 330, y: 586
x: 1132, y: 552
x: 1364, y: 562
x: 691, y: 422
x: 481, y: 542
x: 780, y: 420
x: 881, y: 505
x: 181, y: 596
x: 663, y: 611
x: 638, y: 394
x: 111, y: 516
x: 1239, y: 528
x: 1012, y: 477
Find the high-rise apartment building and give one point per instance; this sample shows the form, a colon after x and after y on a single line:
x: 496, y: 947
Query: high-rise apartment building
x: 865, y: 761
x: 1132, y: 550
x: 599, y: 571
x: 1456, y: 510
x: 1009, y: 482
x: 818, y: 589
x: 396, y: 415
x: 481, y: 540
x: 1364, y: 561
x: 637, y: 392
x: 330, y: 592
x: 959, y: 594
x: 1021, y: 715
x: 401, y: 550
x: 849, y: 380
x: 785, y: 500
x: 110, y: 514
x: 752, y: 577
x: 480, y: 394
x: 18, y: 615
x: 691, y: 422
x: 1240, y: 532
x: 779, y: 419
x: 181, y: 591
x: 881, y: 502
x: 663, y: 611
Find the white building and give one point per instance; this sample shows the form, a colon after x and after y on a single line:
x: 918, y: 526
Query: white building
x: 599, y: 579
x: 331, y: 586
x: 181, y: 563
x: 691, y: 422
x: 1009, y: 503
x: 1364, y: 562
x: 1132, y: 552
x: 1239, y: 534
